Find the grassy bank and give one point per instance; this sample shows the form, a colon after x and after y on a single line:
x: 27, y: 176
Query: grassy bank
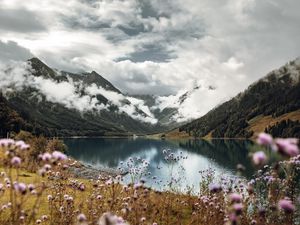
x: 50, y: 195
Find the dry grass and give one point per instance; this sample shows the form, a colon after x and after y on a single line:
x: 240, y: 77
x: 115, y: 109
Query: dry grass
x: 260, y: 123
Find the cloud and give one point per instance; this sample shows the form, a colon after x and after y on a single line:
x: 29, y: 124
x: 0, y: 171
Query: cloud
x: 16, y: 76
x: 20, y: 20
x: 12, y: 51
x: 163, y: 46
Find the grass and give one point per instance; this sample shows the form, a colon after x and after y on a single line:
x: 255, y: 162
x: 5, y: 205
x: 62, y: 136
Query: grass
x: 136, y: 203
x: 259, y: 123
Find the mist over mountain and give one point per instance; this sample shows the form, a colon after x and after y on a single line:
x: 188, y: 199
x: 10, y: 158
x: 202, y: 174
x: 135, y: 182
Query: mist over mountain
x: 55, y: 102
x: 272, y: 104
x: 61, y: 103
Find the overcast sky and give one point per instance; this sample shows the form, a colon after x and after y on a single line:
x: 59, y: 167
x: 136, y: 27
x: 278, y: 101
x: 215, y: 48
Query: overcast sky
x: 155, y: 46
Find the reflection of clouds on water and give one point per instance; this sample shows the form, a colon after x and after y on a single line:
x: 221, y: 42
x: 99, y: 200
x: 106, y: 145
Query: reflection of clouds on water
x: 220, y: 155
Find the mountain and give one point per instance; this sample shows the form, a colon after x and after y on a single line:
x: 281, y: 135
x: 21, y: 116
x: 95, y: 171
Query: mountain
x: 59, y: 103
x: 271, y: 104
x: 167, y: 108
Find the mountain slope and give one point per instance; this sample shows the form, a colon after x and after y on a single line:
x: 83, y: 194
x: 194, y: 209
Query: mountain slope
x: 275, y: 95
x: 67, y: 104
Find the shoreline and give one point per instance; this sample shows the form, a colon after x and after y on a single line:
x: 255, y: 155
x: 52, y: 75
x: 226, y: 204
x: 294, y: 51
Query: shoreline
x: 83, y: 171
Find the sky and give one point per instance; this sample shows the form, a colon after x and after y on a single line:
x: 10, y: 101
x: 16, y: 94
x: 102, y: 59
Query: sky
x: 160, y: 47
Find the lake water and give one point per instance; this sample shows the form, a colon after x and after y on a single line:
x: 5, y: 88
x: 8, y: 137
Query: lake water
x: 222, y: 156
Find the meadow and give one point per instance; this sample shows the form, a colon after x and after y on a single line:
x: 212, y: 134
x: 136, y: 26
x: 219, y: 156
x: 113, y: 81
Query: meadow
x: 36, y: 187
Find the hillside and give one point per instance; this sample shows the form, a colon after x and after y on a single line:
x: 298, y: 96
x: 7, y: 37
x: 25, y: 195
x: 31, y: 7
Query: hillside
x: 59, y: 103
x: 271, y: 104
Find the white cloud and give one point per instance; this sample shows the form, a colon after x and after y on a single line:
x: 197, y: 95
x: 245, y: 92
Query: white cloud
x: 16, y: 76
x: 224, y: 43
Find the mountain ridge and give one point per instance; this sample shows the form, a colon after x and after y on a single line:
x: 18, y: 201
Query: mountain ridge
x: 274, y: 95
x: 105, y: 110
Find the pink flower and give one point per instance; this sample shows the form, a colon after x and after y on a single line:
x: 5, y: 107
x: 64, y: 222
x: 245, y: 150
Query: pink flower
x: 81, y: 187
x: 99, y: 197
x: 286, y: 205
x: 215, y: 188
x: 81, y: 218
x: 46, y: 157
x: 235, y: 197
x: 31, y: 187
x: 44, y: 217
x: 238, y: 207
x: 22, y: 145
x: 20, y: 187
x: 16, y: 161
x: 264, y: 139
x: 287, y: 147
x: 50, y: 197
x: 59, y: 156
x: 259, y: 158
x: 6, y: 142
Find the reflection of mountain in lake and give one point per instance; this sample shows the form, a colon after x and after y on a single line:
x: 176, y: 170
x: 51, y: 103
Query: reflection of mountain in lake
x: 227, y: 153
x: 110, y: 152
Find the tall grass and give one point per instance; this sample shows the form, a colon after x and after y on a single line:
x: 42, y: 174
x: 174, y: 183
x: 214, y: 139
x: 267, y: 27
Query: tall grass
x: 37, y: 188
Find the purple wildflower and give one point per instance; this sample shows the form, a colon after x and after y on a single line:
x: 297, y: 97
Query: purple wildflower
x: 264, y: 139
x: 259, y: 158
x: 286, y: 205
x: 6, y: 142
x: 16, y: 161
x: 287, y: 147
x: 215, y: 188
x: 81, y: 218
x: 20, y: 187
x: 235, y: 197
x: 46, y: 157
x: 59, y: 156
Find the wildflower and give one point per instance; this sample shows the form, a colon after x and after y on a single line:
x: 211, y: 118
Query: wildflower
x: 238, y: 208
x: 47, y: 167
x: 215, y: 188
x: 143, y: 219
x: 44, y: 217
x: 59, y: 156
x: 22, y: 145
x: 81, y: 187
x: 6, y: 142
x: 253, y: 222
x: 264, y: 139
x: 81, y: 218
x: 286, y: 205
x: 110, y: 219
x: 50, y: 197
x: 42, y: 172
x: 99, y: 197
x: 38, y: 222
x: 16, y: 161
x: 46, y: 157
x: 31, y: 187
x: 259, y: 158
x: 20, y: 187
x: 287, y: 147
x: 233, y: 218
x: 66, y: 197
x: 235, y: 197
x: 62, y: 209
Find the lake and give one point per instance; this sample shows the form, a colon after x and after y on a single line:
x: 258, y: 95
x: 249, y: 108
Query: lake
x: 222, y: 156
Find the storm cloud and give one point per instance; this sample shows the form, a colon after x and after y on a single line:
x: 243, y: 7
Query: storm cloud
x: 160, y: 47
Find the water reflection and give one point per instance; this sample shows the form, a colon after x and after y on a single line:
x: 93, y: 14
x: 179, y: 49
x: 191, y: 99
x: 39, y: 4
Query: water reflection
x: 221, y: 155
